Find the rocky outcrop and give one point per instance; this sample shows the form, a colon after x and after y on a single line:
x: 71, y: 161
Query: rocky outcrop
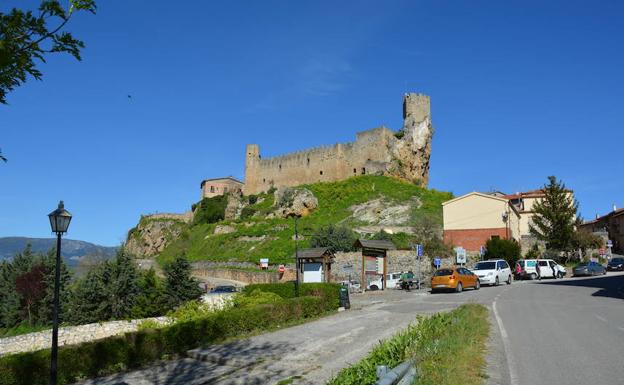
x: 294, y: 202
x: 235, y: 205
x: 384, y: 212
x: 154, y: 233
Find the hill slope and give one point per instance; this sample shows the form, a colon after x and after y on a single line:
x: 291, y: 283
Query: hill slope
x: 72, y: 249
x: 356, y: 203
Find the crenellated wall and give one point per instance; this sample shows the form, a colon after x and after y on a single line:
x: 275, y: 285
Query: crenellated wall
x: 378, y: 151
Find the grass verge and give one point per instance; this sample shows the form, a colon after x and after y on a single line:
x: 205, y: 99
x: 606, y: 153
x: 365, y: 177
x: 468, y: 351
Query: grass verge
x: 449, y: 349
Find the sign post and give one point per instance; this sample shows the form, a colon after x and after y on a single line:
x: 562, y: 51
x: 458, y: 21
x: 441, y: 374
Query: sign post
x: 419, y: 254
x: 482, y: 251
x: 460, y: 256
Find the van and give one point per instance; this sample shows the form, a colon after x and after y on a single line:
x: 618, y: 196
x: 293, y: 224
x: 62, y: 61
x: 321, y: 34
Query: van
x: 547, y: 268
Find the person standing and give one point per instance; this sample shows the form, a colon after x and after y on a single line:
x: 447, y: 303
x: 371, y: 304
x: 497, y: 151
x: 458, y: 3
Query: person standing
x: 537, y: 270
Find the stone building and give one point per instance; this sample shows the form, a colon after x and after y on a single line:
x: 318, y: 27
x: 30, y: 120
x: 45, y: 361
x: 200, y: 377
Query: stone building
x: 379, y: 151
x: 613, y: 224
x: 219, y: 186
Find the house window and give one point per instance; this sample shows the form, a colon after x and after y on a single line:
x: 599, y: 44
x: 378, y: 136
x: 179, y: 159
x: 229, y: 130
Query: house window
x: 355, y: 171
x: 321, y: 172
x: 363, y: 170
x: 225, y: 189
x: 211, y: 189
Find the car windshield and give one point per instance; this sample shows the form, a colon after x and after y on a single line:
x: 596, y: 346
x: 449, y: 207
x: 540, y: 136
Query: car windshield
x: 617, y: 260
x: 485, y: 266
x: 582, y: 264
x: 443, y: 272
x: 228, y: 289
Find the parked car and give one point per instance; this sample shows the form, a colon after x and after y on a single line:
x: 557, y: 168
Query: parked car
x: 588, y: 268
x: 457, y: 279
x: 493, y: 272
x: 616, y: 264
x: 223, y: 289
x: 392, y: 281
x: 548, y: 269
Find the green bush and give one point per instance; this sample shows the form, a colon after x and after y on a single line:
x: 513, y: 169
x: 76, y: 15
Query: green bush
x: 136, y: 349
x: 247, y: 212
x: 211, y: 210
x: 327, y: 291
x: 338, y: 238
x: 508, y: 250
x: 256, y: 297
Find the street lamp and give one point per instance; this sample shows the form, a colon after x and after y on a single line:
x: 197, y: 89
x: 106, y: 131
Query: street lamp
x: 59, y: 221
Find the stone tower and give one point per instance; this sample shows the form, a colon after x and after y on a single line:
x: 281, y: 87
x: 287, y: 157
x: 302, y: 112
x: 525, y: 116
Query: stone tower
x: 252, y: 158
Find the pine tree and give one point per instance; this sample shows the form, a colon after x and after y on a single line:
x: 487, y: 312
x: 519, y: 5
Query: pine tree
x: 554, y: 218
x: 152, y: 301
x: 89, y: 298
x: 44, y: 307
x: 123, y: 287
x: 180, y: 285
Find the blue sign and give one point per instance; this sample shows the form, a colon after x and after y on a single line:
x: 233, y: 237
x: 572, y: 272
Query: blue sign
x: 419, y: 250
x: 609, y: 243
x: 437, y: 262
x: 482, y: 250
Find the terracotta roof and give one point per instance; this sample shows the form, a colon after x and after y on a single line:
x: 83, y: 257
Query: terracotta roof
x: 225, y: 178
x: 538, y: 193
x: 375, y: 244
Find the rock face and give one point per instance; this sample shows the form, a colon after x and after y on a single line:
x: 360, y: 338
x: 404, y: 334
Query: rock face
x: 234, y: 207
x: 384, y: 212
x: 294, y: 202
x: 154, y: 233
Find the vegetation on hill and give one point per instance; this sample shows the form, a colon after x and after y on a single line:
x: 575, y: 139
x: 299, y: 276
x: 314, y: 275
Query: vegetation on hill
x: 256, y: 236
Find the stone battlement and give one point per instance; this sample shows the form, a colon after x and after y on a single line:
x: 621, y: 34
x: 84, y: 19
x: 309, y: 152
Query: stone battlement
x: 378, y: 151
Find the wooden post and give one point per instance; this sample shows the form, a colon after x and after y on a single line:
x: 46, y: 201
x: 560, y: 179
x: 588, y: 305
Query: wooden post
x: 385, y: 270
x: 363, y: 281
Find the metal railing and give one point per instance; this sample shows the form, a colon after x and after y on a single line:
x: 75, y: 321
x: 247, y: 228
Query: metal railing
x: 403, y: 374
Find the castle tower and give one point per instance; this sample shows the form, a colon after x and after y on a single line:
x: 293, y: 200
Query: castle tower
x: 252, y: 157
x: 416, y: 106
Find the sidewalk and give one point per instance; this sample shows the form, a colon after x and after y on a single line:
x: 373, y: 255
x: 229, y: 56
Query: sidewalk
x: 310, y: 353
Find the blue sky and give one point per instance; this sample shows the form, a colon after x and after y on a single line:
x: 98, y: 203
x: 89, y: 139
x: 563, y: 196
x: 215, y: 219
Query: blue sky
x: 519, y: 89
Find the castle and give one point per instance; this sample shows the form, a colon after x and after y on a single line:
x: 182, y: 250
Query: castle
x: 379, y: 151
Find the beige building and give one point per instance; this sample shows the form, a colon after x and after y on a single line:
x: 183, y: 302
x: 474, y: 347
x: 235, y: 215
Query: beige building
x: 219, y: 186
x: 472, y: 219
x: 613, y: 224
x: 524, y: 202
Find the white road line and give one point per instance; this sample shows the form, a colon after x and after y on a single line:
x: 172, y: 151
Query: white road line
x: 601, y: 318
x: 505, y: 337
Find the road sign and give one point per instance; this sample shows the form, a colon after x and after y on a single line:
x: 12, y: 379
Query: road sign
x: 460, y: 255
x: 264, y: 263
x: 609, y: 244
x: 419, y: 251
x: 437, y: 262
x: 281, y: 269
x: 482, y: 250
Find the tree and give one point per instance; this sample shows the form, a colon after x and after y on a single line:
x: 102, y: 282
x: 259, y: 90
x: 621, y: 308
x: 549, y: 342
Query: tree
x: 31, y: 288
x: 585, y: 240
x: 338, y: 238
x: 152, y: 301
x: 180, y: 285
x: 507, y: 249
x: 45, y: 306
x: 26, y: 37
x: 89, y: 297
x: 554, y: 218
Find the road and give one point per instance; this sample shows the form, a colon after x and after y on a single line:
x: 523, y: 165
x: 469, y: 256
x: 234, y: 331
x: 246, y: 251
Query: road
x: 567, y: 331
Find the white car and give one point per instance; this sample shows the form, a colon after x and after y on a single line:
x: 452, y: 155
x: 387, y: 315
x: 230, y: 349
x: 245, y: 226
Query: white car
x: 493, y: 272
x: 392, y: 281
x: 547, y: 268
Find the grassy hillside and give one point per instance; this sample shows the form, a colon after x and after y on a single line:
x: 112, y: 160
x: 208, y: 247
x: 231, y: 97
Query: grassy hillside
x: 199, y: 243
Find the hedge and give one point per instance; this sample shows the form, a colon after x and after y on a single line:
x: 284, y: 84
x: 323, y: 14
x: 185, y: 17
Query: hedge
x: 328, y: 291
x: 136, y: 349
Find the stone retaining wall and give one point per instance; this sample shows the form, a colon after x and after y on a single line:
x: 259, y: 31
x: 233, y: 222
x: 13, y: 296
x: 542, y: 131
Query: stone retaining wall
x: 70, y: 335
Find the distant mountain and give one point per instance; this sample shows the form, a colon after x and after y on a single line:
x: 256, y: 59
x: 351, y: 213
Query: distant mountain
x: 71, y: 250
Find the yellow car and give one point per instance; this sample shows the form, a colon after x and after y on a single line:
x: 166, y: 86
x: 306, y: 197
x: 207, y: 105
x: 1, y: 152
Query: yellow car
x: 456, y: 278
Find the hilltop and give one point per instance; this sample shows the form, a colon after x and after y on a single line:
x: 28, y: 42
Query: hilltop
x: 72, y: 249
x: 365, y: 204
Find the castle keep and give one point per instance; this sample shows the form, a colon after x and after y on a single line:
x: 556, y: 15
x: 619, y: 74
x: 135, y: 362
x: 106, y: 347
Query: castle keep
x: 380, y: 151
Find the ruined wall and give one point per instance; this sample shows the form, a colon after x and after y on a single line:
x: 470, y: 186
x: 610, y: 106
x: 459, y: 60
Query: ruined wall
x: 377, y: 151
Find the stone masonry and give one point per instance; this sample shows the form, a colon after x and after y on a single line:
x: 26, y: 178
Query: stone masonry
x: 70, y: 335
x: 379, y: 151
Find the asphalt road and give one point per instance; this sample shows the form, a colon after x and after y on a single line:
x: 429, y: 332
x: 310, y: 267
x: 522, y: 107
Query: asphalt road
x: 551, y: 332
x: 565, y: 331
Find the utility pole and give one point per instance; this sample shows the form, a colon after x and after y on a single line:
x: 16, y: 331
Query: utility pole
x: 297, y: 256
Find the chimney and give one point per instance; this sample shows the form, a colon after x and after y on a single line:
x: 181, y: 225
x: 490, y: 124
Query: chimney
x: 596, y: 215
x: 614, y: 207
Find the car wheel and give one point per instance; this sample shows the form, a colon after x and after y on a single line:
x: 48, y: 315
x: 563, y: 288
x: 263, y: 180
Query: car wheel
x: 560, y: 275
x: 533, y: 276
x: 477, y: 285
x: 459, y: 287
x: 496, y: 283
x: 509, y: 280
x: 604, y: 272
x: 374, y: 287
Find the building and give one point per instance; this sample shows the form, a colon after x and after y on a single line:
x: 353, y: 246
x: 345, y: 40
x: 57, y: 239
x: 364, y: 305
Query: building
x: 381, y: 151
x: 219, y: 186
x: 472, y: 219
x: 613, y: 224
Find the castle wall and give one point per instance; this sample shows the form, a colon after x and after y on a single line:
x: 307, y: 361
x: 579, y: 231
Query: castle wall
x: 371, y: 153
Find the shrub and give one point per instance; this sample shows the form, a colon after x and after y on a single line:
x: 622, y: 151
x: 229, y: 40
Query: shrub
x: 330, y: 292
x: 136, y: 349
x: 190, y: 310
x: 338, y: 238
x: 247, y: 212
x: 252, y: 199
x: 508, y: 250
x: 210, y: 210
x: 256, y: 297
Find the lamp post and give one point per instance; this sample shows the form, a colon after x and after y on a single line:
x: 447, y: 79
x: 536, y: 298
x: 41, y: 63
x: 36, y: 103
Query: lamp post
x: 59, y: 221
x: 297, y: 256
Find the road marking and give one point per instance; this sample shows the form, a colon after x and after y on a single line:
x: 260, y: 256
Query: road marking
x: 601, y: 318
x: 513, y: 378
